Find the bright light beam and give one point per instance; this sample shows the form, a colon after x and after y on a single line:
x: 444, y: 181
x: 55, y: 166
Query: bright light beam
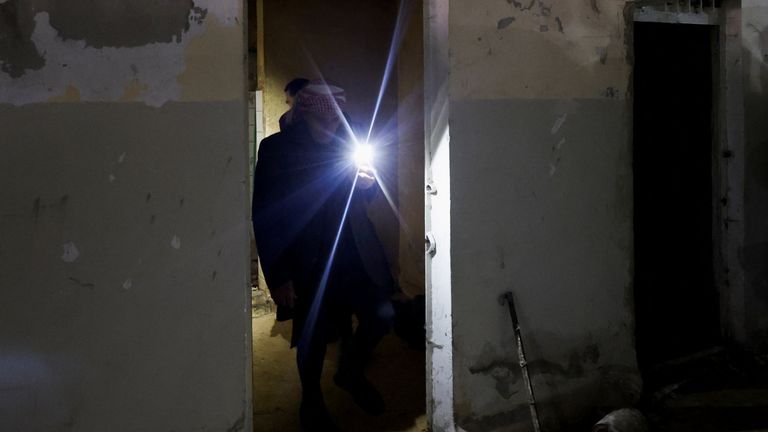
x: 336, y: 107
x: 363, y: 156
x: 394, y: 47
x: 314, y: 310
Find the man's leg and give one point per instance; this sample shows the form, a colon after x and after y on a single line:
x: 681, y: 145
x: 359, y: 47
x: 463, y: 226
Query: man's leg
x: 310, y: 356
x: 375, y: 318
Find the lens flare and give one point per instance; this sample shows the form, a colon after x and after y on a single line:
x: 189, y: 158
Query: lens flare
x: 363, y: 156
x: 309, y: 326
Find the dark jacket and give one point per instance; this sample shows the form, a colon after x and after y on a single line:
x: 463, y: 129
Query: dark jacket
x: 300, y: 191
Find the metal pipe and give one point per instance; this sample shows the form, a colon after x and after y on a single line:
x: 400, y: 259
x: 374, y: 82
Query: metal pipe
x: 509, y: 300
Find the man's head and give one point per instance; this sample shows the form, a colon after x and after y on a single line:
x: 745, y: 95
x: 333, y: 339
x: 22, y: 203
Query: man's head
x: 293, y: 88
x: 321, y: 105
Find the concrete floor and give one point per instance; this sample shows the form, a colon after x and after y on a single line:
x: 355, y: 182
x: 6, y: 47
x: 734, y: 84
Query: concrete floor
x: 724, y: 400
x: 396, y: 370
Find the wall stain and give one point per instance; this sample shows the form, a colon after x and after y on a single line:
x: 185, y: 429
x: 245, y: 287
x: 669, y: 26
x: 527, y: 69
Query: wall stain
x: 39, y: 208
x: 506, y: 370
x: 560, y: 27
x: 519, y: 5
x: 81, y: 283
x: 98, y: 23
x: 101, y: 24
x: 594, y: 6
x: 505, y: 374
x: 504, y: 22
x: 544, y: 9
x: 198, y: 14
x: 36, y: 209
x: 530, y: 5
x: 602, y: 53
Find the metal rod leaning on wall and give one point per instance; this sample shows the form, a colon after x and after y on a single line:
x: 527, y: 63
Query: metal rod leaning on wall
x: 508, y: 298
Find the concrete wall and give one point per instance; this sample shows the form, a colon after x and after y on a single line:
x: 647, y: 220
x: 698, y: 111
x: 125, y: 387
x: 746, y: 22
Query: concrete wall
x: 540, y: 204
x: 346, y: 42
x: 124, y: 216
x: 755, y: 216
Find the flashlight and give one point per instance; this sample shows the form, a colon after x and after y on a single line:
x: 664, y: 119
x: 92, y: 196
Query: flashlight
x: 363, y: 156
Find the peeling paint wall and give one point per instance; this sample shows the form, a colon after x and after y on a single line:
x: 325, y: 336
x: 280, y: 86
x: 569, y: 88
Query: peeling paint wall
x: 541, y: 205
x: 124, y: 216
x: 48, y: 52
x: 755, y: 253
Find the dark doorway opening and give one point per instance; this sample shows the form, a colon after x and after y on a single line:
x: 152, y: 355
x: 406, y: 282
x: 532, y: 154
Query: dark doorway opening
x: 676, y: 296
x: 349, y: 44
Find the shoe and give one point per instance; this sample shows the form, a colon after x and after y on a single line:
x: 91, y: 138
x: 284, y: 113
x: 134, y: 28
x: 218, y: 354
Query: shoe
x: 314, y: 416
x: 363, y: 392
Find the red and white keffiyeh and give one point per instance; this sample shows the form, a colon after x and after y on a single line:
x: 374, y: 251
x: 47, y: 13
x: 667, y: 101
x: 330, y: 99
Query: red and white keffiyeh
x: 319, y: 97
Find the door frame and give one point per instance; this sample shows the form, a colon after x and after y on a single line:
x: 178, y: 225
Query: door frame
x: 728, y: 149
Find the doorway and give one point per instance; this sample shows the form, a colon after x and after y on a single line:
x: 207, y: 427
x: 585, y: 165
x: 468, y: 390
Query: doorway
x: 350, y: 44
x: 676, y: 295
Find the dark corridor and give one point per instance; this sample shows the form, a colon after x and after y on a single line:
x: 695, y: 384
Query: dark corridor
x: 676, y: 297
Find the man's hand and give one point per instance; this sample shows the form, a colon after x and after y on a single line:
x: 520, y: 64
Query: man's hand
x: 365, y: 178
x: 285, y: 295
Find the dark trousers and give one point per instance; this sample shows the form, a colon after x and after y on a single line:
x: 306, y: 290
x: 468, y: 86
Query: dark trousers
x: 375, y: 315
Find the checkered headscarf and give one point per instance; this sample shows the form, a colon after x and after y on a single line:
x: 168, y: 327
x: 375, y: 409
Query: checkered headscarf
x: 321, y: 98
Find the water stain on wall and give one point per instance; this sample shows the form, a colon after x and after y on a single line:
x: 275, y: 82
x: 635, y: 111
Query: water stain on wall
x: 505, y: 370
x: 98, y: 23
x: 115, y: 23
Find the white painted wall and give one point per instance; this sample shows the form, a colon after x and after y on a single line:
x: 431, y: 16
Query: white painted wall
x: 440, y: 387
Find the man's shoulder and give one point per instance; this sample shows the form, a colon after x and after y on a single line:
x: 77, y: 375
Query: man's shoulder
x: 276, y: 142
x: 273, y: 139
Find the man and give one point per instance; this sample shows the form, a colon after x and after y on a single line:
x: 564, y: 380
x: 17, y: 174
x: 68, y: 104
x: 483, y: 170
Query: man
x: 305, y: 186
x: 291, y: 90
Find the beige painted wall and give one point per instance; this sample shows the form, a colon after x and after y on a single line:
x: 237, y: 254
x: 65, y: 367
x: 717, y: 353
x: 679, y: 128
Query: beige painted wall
x: 540, y: 185
x: 124, y: 217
